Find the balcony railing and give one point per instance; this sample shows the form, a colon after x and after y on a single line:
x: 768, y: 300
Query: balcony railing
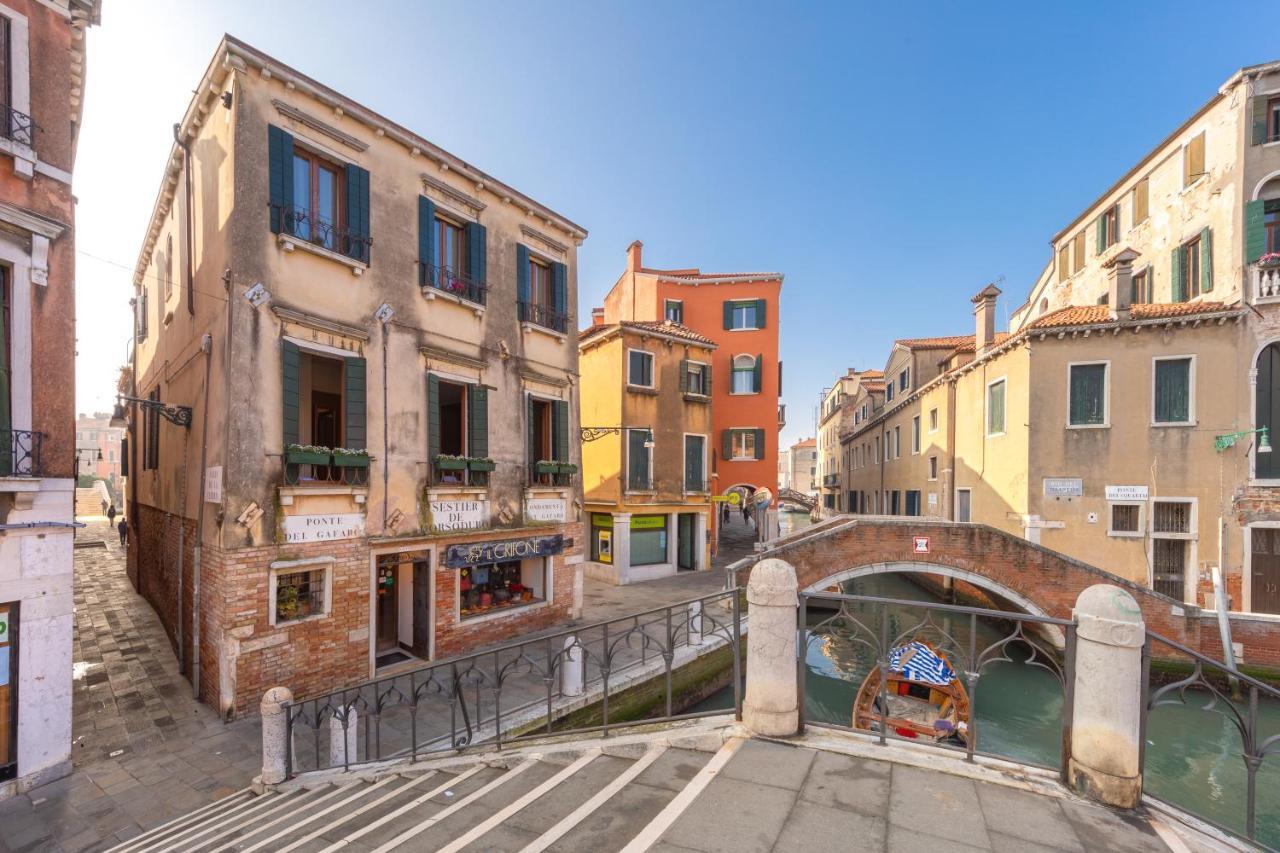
x: 1266, y: 283
x: 696, y: 484
x: 448, y: 280
x: 17, y: 126
x: 20, y: 453
x: 317, y: 230
x: 325, y: 466
x: 461, y: 471
x: 830, y: 480
x: 547, y: 473
x: 544, y: 316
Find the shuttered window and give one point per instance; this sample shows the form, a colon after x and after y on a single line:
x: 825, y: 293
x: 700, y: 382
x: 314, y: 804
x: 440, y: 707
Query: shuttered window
x: 1141, y: 200
x: 1087, y: 404
x: 695, y: 474
x: 640, y: 368
x: 1064, y: 261
x: 744, y: 314
x: 1172, y: 393
x: 1141, y: 287
x: 995, y: 407
x: 1193, y: 160
x: 1192, y: 267
x: 744, y: 375
x: 1077, y: 253
x: 1266, y: 466
x: 638, y: 459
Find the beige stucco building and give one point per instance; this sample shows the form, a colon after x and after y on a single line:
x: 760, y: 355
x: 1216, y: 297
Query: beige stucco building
x: 647, y: 449
x: 836, y: 414
x: 798, y: 470
x: 375, y: 342
x: 1116, y: 421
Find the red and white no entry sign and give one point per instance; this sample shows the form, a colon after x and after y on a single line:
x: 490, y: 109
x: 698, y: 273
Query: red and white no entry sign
x: 921, y: 544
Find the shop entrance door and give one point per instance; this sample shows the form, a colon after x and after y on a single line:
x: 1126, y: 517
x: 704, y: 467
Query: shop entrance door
x: 388, y: 606
x: 8, y: 691
x: 686, y: 550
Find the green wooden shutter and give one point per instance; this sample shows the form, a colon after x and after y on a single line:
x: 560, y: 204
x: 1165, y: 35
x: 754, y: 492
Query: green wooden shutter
x: 761, y: 319
x: 354, y: 404
x: 1177, y: 284
x: 684, y: 375
x: 291, y: 362
x: 728, y: 315
x: 1172, y: 392
x: 433, y: 417
x: 1266, y: 404
x: 1206, y: 260
x: 560, y: 416
x: 280, y: 177
x: 756, y: 378
x: 726, y: 444
x: 522, y: 280
x: 358, y: 213
x: 530, y: 435
x: 1259, y: 105
x: 6, y: 415
x: 1100, y: 233
x: 478, y: 421
x: 1255, y: 241
x: 759, y: 444
x: 560, y: 289
x: 477, y: 253
x: 426, y: 241
x: 706, y: 379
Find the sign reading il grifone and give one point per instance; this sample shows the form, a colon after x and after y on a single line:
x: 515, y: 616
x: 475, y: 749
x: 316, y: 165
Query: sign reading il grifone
x: 321, y: 528
x: 1127, y: 493
x: 457, y: 515
x: 480, y: 553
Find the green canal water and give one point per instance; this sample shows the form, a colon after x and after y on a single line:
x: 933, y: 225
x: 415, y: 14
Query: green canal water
x: 1192, y: 755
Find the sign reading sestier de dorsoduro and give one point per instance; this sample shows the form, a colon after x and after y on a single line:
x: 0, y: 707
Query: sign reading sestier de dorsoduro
x: 480, y: 553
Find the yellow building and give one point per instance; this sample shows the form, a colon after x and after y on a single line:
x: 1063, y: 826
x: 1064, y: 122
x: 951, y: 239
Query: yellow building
x: 646, y: 453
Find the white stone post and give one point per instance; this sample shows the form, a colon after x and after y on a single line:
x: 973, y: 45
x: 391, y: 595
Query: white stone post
x: 275, y: 737
x: 622, y: 546
x: 343, y: 750
x: 695, y: 623
x: 571, y: 668
x: 1107, y: 700
x: 771, y: 707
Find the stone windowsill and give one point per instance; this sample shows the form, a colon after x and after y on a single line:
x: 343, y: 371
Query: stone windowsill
x: 444, y: 490
x: 544, y: 491
x: 696, y: 398
x: 288, y: 242
x: 431, y: 293
x: 528, y: 327
x: 358, y: 494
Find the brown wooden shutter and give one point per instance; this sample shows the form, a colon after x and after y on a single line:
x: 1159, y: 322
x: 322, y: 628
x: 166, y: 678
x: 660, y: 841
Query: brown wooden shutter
x: 1064, y: 261
x: 1077, y: 253
x: 1141, y: 200
x: 1193, y: 160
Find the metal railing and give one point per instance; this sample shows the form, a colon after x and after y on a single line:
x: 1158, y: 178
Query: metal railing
x: 550, y: 478
x: 1212, y: 687
x: 351, y: 471
x: 951, y: 629
x: 17, y: 126
x: 512, y: 693
x: 545, y: 316
x: 317, y: 230
x: 444, y: 475
x: 455, y: 282
x: 20, y: 453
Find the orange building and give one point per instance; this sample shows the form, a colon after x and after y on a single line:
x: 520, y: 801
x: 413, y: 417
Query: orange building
x: 740, y: 313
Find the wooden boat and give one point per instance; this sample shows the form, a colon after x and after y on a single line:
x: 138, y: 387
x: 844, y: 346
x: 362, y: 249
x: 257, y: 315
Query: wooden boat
x: 924, y: 695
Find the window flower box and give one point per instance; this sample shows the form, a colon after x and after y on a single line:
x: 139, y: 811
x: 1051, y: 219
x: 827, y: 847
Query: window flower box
x: 566, y: 468
x: 451, y: 463
x: 343, y: 458
x: 1270, y: 260
x: 545, y: 466
x: 301, y: 454
x: 481, y: 464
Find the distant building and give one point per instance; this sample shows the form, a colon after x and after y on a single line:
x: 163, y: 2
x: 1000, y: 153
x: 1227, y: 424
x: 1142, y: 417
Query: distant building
x: 42, y: 48
x: 99, y: 449
x: 801, y: 466
x: 837, y: 414
x: 647, y: 410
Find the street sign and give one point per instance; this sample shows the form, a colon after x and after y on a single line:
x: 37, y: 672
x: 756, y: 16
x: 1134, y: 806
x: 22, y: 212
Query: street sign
x: 920, y: 544
x: 731, y: 498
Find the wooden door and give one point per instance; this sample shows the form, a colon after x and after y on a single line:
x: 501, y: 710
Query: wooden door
x: 685, y: 546
x: 1264, y: 568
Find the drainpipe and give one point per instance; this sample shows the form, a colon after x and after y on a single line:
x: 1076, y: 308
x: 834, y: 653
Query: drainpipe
x: 386, y: 441
x: 951, y: 450
x: 186, y: 230
x: 206, y: 346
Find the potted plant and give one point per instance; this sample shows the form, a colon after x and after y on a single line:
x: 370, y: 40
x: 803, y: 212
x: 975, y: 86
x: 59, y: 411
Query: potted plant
x: 449, y: 462
x: 307, y: 454
x: 481, y: 464
x: 287, y: 604
x: 566, y: 468
x: 1270, y: 259
x: 546, y: 466
x: 346, y: 458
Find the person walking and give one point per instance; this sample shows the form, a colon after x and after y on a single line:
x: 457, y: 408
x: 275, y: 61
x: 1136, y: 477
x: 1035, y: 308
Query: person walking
x: 111, y: 514
x: 123, y: 529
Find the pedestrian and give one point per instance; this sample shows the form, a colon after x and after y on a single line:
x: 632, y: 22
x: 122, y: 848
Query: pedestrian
x: 746, y: 512
x: 123, y: 529
x: 111, y: 514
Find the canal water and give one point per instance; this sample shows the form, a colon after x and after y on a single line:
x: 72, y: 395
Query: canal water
x: 1192, y: 755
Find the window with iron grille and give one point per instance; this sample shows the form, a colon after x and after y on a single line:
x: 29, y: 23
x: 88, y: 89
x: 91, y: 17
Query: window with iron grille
x: 1171, y: 517
x: 1168, y: 566
x: 1125, y: 519
x: 300, y: 595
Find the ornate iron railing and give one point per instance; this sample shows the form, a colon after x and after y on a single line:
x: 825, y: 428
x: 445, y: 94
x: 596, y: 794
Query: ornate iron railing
x: 954, y: 631
x: 325, y: 468
x: 444, y: 474
x: 20, y: 453
x: 544, y: 316
x: 307, y: 225
x: 540, y: 477
x: 1212, y: 687
x: 513, y: 693
x: 17, y: 126
x: 449, y: 280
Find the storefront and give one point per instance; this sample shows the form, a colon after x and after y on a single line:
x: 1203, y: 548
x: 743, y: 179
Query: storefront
x: 8, y: 691
x: 630, y: 547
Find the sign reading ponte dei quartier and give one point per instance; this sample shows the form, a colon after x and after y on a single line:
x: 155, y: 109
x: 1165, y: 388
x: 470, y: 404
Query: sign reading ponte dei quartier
x: 479, y: 553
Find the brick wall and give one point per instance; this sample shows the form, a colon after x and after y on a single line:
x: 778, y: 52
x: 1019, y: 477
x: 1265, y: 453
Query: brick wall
x: 153, y: 564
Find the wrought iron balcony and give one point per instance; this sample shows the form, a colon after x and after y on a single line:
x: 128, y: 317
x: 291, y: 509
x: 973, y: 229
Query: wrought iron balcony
x: 17, y: 126
x: 20, y: 453
x: 447, y: 470
x: 305, y: 225
x: 448, y: 280
x: 544, y: 316
x: 830, y: 480
x: 550, y: 473
x: 323, y: 466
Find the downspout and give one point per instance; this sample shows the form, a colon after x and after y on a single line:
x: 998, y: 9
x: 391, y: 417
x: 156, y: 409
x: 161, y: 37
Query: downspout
x: 951, y: 449
x: 206, y: 346
x: 386, y: 441
x: 186, y: 230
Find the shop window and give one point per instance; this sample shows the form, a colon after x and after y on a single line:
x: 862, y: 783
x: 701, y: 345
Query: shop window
x: 500, y: 586
x: 298, y: 595
x: 648, y: 540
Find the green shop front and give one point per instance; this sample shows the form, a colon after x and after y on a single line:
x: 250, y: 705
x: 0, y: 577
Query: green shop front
x: 627, y: 547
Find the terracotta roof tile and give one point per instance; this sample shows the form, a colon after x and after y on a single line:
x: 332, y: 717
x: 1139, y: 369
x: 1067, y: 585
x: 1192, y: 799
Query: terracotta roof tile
x: 1088, y: 315
x: 675, y: 330
x: 935, y: 343
x: 972, y: 345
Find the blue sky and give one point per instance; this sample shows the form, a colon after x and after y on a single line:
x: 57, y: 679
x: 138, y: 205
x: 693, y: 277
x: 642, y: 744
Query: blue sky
x: 889, y: 159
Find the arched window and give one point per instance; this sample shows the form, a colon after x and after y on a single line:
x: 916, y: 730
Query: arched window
x: 1044, y: 305
x: 1267, y: 411
x: 746, y: 374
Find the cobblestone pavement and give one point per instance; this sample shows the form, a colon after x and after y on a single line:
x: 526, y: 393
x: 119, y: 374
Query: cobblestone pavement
x: 144, y: 750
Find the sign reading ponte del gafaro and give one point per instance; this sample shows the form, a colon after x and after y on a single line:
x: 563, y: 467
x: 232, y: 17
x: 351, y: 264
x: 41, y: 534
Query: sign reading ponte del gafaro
x: 479, y: 553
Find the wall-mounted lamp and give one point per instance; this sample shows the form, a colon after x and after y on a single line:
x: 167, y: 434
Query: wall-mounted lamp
x: 1222, y: 442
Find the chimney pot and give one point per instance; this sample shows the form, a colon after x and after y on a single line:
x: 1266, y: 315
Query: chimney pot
x: 1120, y: 283
x: 597, y: 316
x: 633, y: 256
x: 984, y: 312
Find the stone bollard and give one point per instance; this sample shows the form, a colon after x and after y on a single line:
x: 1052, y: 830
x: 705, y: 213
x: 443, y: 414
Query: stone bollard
x: 343, y: 750
x: 1107, y: 703
x: 771, y: 707
x: 275, y: 745
x: 571, y: 668
x: 695, y: 623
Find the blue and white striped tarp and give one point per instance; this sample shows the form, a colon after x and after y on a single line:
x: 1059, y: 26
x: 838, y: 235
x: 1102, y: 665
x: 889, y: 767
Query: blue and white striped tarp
x: 922, y: 664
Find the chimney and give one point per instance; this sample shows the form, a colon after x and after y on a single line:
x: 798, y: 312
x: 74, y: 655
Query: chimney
x: 597, y: 316
x: 984, y: 311
x: 1120, y: 283
x: 633, y: 256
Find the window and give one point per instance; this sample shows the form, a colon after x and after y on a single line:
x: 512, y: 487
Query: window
x: 151, y: 436
x: 888, y: 392
x: 746, y: 314
x: 1064, y: 262
x: 743, y: 444
x: 640, y: 368
x: 964, y: 505
x: 167, y: 272
x: 1188, y: 271
x: 894, y: 497
x: 1141, y: 200
x: 1125, y: 519
x: 913, y: 502
x: 995, y: 407
x: 695, y: 464
x: 317, y: 192
x: 877, y: 456
x: 495, y: 586
x: 915, y: 435
x: 864, y: 411
x: 696, y: 378
x: 299, y: 594
x: 141, y: 308
x: 933, y: 420
x: 1077, y: 253
x: 1108, y: 228
x: 933, y: 467
x: 451, y: 246
x: 639, y: 460
x: 8, y: 688
x: 1087, y: 395
x: 673, y: 310
x: 1172, y: 532
x: 1266, y: 466
x: 1193, y: 160
x: 648, y: 540
x: 904, y: 379
x: 1141, y: 287
x: 897, y: 442
x: 541, y: 287
x: 746, y: 375
x: 1172, y: 393
x: 1271, y: 222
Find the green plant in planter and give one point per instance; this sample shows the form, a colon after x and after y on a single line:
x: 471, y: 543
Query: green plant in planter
x: 481, y: 464
x: 345, y: 458
x: 449, y: 462
x: 307, y: 454
x: 546, y: 466
x: 566, y: 468
x: 287, y: 604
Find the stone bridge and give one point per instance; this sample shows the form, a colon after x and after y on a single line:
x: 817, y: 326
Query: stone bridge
x: 1029, y: 577
x: 791, y: 496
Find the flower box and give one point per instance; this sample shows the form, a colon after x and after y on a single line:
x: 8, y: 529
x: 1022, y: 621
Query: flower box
x: 350, y: 459
x: 566, y: 468
x: 545, y: 467
x: 1269, y: 260
x: 481, y: 464
x: 451, y: 463
x: 307, y: 455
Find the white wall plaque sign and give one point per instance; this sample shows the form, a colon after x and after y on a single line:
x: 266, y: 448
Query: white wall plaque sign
x: 1063, y: 487
x: 545, y: 509
x: 1127, y: 493
x: 459, y: 515
x: 321, y: 528
x: 213, y: 484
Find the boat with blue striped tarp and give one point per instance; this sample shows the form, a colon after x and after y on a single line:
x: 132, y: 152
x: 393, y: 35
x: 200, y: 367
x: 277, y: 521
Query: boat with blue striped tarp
x: 919, y: 697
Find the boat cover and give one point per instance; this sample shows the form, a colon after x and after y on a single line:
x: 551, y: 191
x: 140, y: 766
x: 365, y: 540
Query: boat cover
x: 917, y: 662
